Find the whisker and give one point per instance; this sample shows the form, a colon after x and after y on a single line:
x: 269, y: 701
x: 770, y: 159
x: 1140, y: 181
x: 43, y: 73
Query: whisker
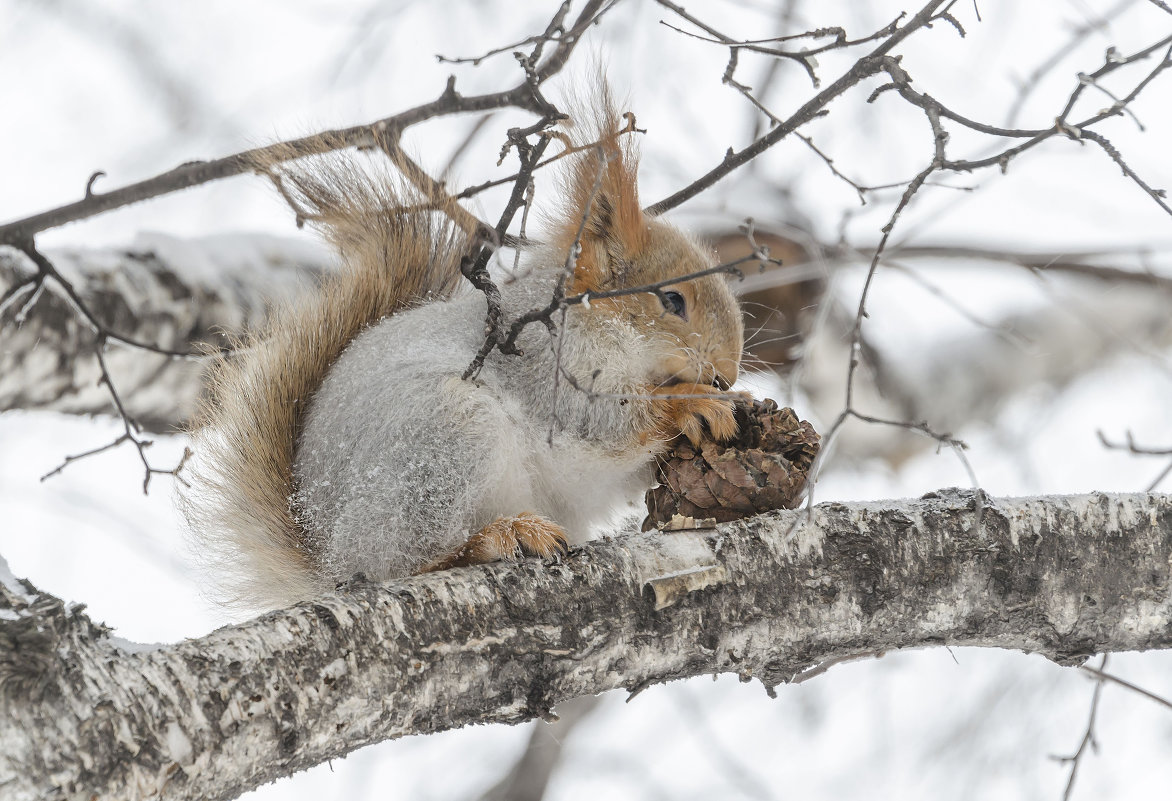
x: 772, y: 340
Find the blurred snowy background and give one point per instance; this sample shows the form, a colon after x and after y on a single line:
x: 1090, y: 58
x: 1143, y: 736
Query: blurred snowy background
x: 134, y: 87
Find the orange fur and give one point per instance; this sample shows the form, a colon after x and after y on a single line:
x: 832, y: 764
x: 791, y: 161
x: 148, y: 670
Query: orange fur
x: 526, y: 534
x: 621, y: 247
x: 704, y: 404
x: 602, y: 192
x: 252, y: 419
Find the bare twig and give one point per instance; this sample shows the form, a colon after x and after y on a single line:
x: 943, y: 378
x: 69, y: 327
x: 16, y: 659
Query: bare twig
x: 46, y: 271
x: 1140, y: 450
x: 864, y: 68
x: 1157, y: 195
x: 1077, y: 37
x: 551, y: 34
x: 1127, y: 684
x: 131, y: 433
x: 475, y: 267
x: 1088, y: 737
x: 523, y: 96
x: 803, y: 57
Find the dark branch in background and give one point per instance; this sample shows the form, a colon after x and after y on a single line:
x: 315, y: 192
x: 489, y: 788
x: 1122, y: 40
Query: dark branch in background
x: 177, y: 93
x: 1088, y: 737
x: 1140, y: 450
x: 103, y: 335
x: 864, y: 68
x: 529, y: 777
x: 194, y: 173
x: 462, y: 148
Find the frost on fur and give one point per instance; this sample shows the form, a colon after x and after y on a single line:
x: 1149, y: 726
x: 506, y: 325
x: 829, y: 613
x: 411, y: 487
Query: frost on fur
x: 246, y: 429
x: 343, y: 438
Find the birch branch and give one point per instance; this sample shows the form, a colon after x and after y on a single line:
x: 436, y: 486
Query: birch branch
x: 770, y: 598
x: 175, y: 294
x: 182, y: 293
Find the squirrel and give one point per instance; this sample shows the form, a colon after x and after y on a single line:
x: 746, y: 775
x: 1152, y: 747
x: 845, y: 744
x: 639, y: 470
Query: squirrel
x: 344, y: 439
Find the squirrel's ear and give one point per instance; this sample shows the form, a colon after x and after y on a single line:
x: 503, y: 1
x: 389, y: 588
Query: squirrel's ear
x: 603, y: 195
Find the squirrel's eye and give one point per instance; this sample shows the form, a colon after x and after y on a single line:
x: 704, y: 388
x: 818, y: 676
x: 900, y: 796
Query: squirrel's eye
x: 674, y: 303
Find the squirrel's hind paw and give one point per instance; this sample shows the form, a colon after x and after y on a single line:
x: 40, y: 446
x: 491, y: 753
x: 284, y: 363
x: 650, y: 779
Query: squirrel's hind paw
x: 526, y: 534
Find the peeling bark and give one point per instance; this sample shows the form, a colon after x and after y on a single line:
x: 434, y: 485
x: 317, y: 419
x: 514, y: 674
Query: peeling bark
x: 1065, y: 577
x: 174, y: 294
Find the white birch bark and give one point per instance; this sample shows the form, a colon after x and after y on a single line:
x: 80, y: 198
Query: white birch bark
x: 174, y: 294
x: 766, y: 598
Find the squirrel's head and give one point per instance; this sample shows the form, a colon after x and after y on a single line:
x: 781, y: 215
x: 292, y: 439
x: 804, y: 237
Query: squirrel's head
x: 693, y: 327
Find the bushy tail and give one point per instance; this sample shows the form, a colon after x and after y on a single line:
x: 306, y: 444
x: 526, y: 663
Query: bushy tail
x: 248, y: 425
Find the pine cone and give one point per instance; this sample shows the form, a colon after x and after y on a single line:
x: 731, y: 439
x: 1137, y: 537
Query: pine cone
x: 763, y: 469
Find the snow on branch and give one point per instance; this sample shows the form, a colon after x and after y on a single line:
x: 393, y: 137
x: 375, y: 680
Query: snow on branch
x: 160, y: 297
x: 772, y: 598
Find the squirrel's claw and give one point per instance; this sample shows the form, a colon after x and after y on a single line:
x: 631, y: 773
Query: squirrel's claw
x: 686, y: 407
x: 525, y: 534
x: 537, y: 536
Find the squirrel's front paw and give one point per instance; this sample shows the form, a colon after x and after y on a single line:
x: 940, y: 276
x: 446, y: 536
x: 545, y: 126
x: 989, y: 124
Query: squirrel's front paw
x: 687, y: 407
x: 526, y: 534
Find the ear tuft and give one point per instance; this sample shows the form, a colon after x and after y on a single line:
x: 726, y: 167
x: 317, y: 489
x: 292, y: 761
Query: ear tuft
x: 601, y: 187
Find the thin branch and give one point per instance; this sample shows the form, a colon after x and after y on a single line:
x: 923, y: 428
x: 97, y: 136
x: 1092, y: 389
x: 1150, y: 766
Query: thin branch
x: 803, y: 57
x: 523, y: 96
x: 1140, y: 450
x: 553, y: 33
x: 475, y: 268
x: 131, y: 433
x: 1157, y: 195
x: 864, y: 68
x: 1127, y: 684
x: 1088, y: 737
x: 1077, y: 37
x: 1132, y: 447
x: 46, y: 271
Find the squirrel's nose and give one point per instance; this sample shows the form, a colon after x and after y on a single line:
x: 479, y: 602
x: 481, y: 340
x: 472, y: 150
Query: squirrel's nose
x: 726, y: 374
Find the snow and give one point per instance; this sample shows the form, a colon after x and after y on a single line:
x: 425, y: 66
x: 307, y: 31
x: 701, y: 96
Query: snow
x: 178, y: 744
x: 12, y: 585
x: 206, y: 260
x: 134, y: 647
x: 960, y: 723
